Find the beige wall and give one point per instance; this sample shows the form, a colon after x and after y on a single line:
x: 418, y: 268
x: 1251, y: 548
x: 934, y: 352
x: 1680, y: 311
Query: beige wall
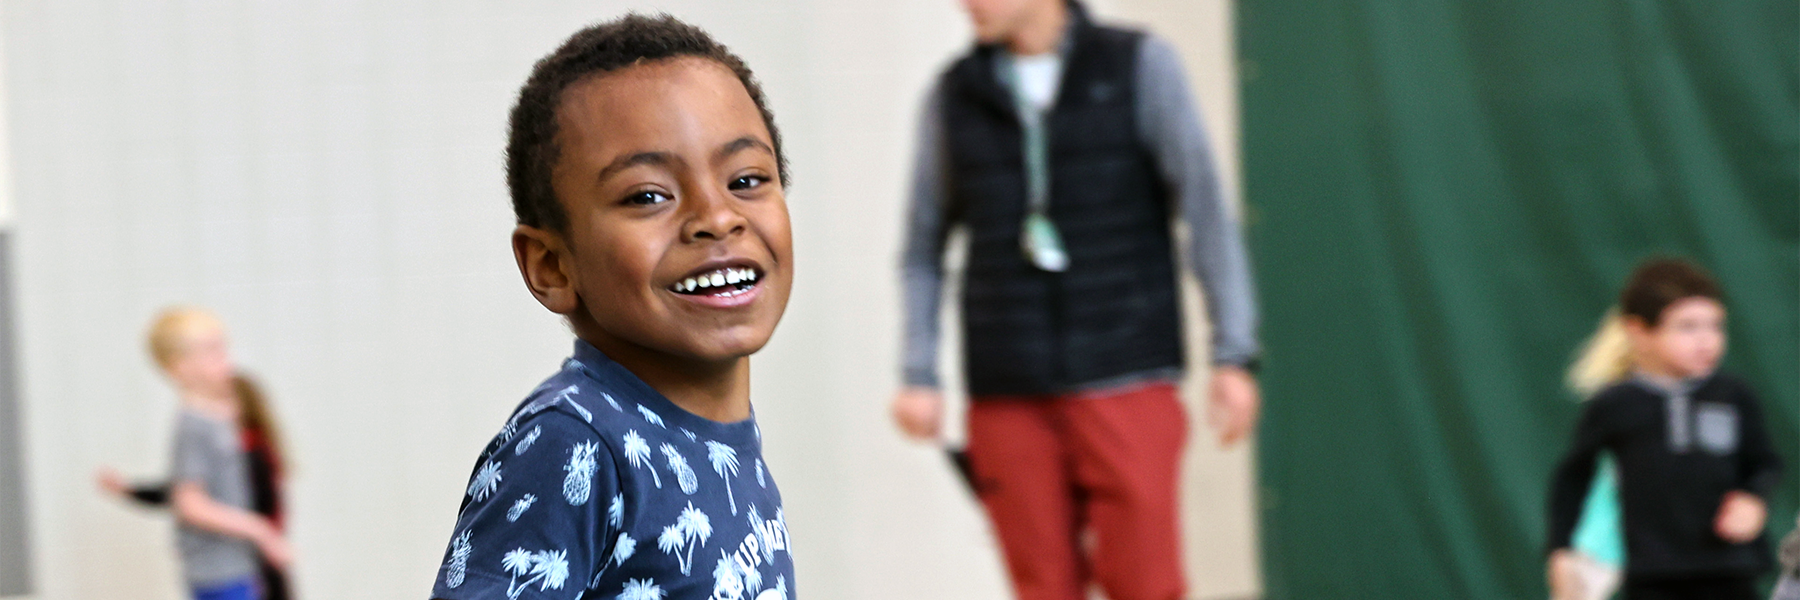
x: 326, y: 175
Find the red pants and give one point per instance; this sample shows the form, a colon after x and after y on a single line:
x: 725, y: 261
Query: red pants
x: 1081, y: 487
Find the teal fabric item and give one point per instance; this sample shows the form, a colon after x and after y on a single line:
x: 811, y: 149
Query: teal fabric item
x: 1600, y: 532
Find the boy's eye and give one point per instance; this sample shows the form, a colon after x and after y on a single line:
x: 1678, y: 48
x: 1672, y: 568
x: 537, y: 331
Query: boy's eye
x: 747, y: 182
x: 647, y: 197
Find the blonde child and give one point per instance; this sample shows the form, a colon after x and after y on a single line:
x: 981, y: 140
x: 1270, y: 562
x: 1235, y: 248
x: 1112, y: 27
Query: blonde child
x: 217, y: 534
x: 1694, y: 461
x: 262, y: 444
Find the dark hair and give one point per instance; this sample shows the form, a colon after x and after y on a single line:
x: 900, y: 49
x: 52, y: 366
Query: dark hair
x: 532, y: 149
x: 1660, y: 282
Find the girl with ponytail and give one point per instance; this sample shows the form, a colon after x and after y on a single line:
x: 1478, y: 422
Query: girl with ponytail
x: 1693, y: 459
x: 1598, y: 543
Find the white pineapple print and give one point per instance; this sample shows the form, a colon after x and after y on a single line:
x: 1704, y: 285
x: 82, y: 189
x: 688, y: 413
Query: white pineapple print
x: 485, y: 481
x: 652, y: 417
x: 684, y: 474
x: 759, y: 475
x: 610, y: 400
x: 529, y: 439
x: 764, y: 534
x: 518, y: 508
x: 578, y: 485
x: 689, y: 434
x: 615, y: 514
x: 723, y: 459
x: 637, y: 452
x: 459, y: 560
x: 548, y: 568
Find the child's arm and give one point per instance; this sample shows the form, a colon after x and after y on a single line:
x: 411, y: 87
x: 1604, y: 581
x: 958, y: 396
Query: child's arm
x: 194, y: 507
x: 1743, y: 512
x: 553, y: 499
x: 1759, y: 465
x: 1568, y: 491
x: 1574, y: 474
x: 148, y: 494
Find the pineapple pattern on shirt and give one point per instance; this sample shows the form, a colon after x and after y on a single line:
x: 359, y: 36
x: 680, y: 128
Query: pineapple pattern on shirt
x: 611, y: 528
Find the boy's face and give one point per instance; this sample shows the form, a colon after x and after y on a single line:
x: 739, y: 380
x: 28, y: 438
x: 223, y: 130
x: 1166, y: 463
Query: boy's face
x: 1688, y: 342
x: 678, y: 236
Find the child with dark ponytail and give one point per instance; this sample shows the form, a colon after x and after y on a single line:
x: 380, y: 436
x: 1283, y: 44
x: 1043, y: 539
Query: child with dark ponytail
x: 1694, y: 460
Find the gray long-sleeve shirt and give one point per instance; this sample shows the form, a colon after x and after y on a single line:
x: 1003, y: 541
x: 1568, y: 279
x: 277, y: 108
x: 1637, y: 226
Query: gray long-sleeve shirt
x: 1172, y: 132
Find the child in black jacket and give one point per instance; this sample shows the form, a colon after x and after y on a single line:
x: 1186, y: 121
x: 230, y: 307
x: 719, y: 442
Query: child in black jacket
x: 1694, y: 458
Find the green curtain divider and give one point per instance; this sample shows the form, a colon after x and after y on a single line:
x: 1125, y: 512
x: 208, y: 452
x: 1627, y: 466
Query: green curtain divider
x: 1443, y: 197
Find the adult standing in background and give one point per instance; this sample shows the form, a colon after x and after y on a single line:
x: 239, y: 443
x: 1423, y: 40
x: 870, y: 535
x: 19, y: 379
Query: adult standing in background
x: 1067, y: 149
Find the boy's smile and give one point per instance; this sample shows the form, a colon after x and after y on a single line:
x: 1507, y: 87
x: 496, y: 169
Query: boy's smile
x: 678, y: 240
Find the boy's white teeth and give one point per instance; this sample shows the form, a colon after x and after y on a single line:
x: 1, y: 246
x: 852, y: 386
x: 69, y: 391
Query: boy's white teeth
x: 717, y: 278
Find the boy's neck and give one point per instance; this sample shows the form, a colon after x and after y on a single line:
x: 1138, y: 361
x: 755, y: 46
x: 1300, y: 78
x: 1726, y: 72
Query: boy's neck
x: 715, y: 391
x: 1662, y: 374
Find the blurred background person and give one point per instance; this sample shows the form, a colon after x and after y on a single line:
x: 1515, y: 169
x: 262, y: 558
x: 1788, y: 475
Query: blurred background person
x: 1693, y: 455
x: 1068, y: 149
x: 261, y: 438
x: 219, y: 537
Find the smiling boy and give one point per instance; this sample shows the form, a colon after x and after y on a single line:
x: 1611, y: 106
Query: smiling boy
x: 646, y: 173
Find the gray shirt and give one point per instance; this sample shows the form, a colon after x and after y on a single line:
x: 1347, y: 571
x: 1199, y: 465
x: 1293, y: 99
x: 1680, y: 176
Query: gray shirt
x: 1172, y: 133
x: 209, y: 453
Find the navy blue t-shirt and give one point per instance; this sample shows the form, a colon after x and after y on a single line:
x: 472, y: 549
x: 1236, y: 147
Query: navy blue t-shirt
x: 599, y: 487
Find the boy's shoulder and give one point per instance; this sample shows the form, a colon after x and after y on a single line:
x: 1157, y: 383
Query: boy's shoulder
x: 589, y: 397
x: 575, y: 400
x: 1729, y: 386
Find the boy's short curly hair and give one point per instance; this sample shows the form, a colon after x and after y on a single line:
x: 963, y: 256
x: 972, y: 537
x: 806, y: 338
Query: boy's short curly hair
x: 531, y: 147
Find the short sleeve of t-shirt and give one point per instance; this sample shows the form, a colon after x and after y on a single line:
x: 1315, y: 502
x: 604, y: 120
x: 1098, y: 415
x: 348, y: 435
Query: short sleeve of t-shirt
x: 194, y: 450
x: 532, y: 516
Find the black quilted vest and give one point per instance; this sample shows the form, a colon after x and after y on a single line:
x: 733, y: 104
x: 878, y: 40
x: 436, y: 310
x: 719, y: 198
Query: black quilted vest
x: 1115, y: 311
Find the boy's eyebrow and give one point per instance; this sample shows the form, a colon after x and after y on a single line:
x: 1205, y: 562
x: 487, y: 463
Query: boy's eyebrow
x: 635, y: 159
x: 741, y: 144
x: 659, y: 157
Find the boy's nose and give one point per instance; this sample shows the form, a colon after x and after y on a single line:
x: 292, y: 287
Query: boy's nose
x: 714, y: 217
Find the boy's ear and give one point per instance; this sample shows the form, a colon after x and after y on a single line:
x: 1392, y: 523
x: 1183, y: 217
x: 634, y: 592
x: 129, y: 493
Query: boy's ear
x: 544, y: 263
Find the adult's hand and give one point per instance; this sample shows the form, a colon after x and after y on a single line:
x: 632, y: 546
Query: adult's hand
x: 919, y: 411
x: 1236, y: 404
